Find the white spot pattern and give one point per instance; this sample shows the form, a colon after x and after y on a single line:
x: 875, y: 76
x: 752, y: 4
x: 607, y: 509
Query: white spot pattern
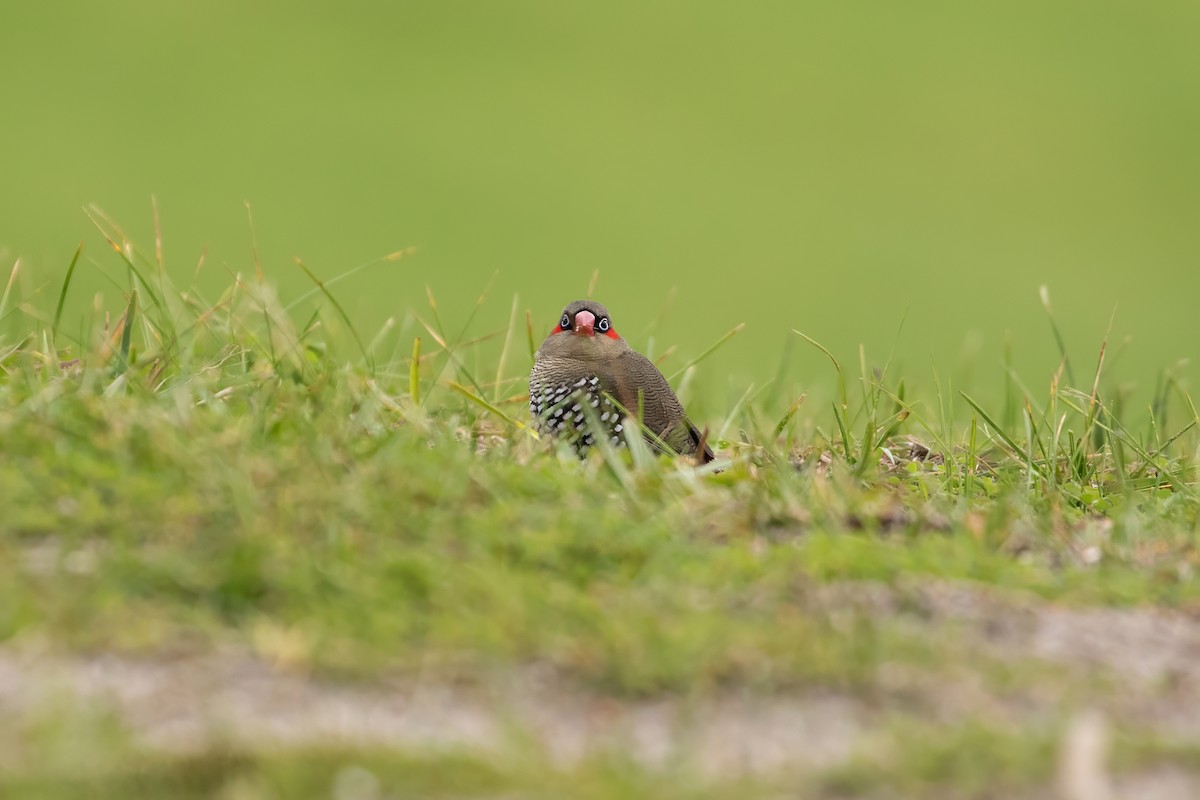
x: 558, y: 409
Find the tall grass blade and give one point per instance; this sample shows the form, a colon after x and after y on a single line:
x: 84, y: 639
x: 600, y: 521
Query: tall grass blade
x: 1029, y: 473
x: 723, y: 433
x: 635, y: 440
x: 258, y: 270
x: 866, y: 449
x: 1162, y: 449
x: 125, y: 252
x: 341, y: 312
x: 1149, y: 460
x: 1044, y: 294
x: 270, y: 337
x: 491, y: 408
x: 394, y: 256
x: 787, y: 415
x: 945, y: 410
x: 629, y: 420
x: 384, y: 330
x: 12, y: 278
x: 837, y: 367
x: 1016, y: 449
x: 734, y: 332
x: 1091, y: 433
x: 414, y: 373
x: 911, y: 412
x: 841, y: 423
x: 158, y: 237
x: 62, y: 293
x: 503, y: 361
x: 439, y: 334
x: 127, y: 332
x: 970, y: 466
x: 864, y: 379
x: 451, y: 353
x: 892, y: 425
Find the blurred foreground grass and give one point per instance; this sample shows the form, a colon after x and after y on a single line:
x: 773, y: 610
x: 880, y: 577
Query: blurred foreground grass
x: 188, y: 476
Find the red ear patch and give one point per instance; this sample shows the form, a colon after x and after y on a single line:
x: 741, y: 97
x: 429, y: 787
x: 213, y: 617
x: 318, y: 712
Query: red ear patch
x: 612, y: 333
x: 557, y: 329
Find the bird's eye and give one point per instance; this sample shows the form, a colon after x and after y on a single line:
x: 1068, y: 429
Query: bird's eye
x: 565, y: 322
x: 603, y: 325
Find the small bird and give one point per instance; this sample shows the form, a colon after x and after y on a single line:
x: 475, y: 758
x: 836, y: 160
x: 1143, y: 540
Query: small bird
x: 585, y: 364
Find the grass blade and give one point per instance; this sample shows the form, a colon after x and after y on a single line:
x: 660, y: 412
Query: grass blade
x: 972, y: 450
x: 841, y: 423
x: 723, y: 433
x: 1016, y: 449
x: 1044, y: 293
x: 127, y: 332
x: 395, y: 256
x: 341, y: 312
x: 787, y: 415
x: 12, y: 278
x: 734, y: 332
x: 836, y: 365
x: 62, y: 293
x: 512, y: 321
x: 414, y: 373
x: 126, y: 254
x: 479, y: 401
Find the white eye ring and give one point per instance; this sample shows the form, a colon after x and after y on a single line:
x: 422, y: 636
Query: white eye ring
x: 565, y: 322
x: 603, y: 326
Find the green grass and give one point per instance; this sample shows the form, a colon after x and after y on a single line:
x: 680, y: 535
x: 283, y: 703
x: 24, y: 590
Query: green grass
x: 198, y: 475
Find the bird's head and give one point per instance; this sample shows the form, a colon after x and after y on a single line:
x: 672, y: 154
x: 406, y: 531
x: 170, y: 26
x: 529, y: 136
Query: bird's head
x: 584, y: 330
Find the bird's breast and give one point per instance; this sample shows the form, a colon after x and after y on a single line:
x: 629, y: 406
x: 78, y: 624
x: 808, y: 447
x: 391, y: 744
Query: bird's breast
x: 575, y: 405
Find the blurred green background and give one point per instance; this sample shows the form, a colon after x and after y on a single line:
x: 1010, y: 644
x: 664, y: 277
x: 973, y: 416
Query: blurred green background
x: 835, y: 167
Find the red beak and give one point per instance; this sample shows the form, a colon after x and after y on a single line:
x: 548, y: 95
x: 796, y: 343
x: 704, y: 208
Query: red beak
x: 585, y: 324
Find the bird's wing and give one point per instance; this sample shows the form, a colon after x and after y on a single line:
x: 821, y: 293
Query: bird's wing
x: 662, y: 412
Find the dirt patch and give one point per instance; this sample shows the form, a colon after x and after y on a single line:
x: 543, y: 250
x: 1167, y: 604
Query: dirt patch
x: 1150, y: 658
x: 190, y: 704
x: 1146, y: 647
x: 1147, y: 660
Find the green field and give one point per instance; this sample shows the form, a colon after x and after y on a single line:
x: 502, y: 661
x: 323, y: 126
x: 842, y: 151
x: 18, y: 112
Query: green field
x: 849, y: 170
x: 274, y: 524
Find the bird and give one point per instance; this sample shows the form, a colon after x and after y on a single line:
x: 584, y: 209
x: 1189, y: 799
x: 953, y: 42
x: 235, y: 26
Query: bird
x: 587, y: 382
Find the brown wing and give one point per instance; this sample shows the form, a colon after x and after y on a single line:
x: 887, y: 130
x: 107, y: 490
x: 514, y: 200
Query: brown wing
x: 662, y: 412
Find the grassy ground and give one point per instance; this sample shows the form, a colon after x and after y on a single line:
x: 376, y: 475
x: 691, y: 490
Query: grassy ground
x: 204, y: 502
